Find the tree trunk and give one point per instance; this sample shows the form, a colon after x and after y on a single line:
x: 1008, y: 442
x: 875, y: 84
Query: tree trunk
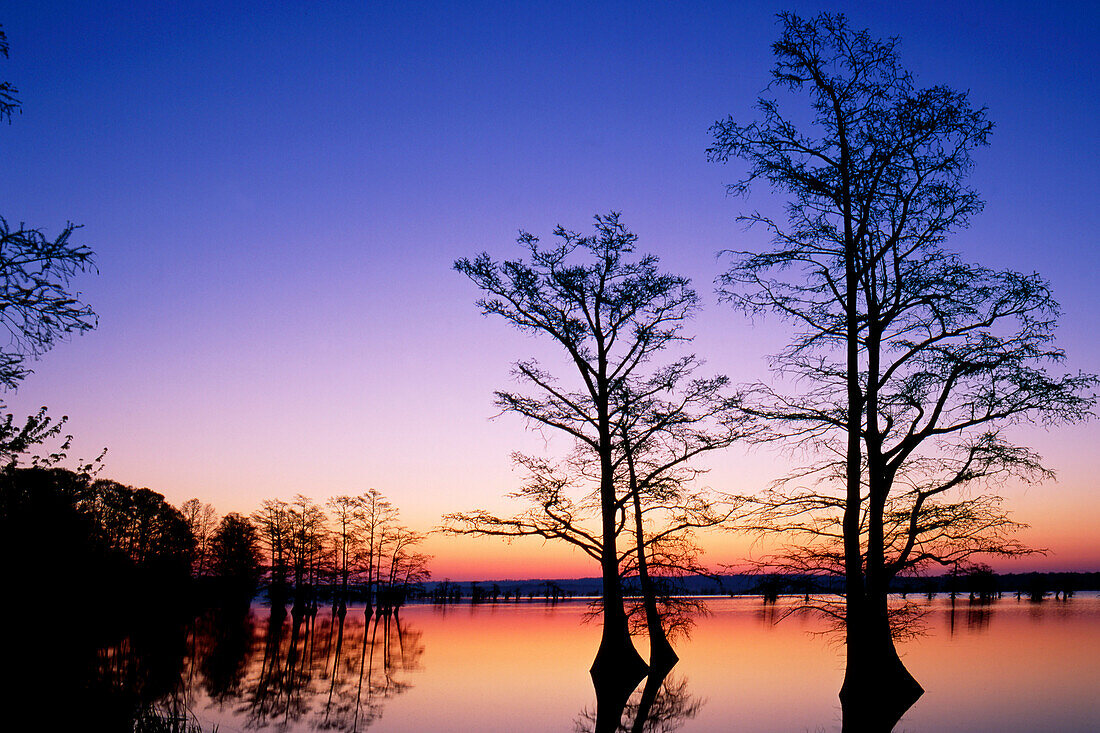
x: 877, y: 689
x: 617, y: 663
x: 617, y: 668
x: 661, y: 654
x: 616, y: 658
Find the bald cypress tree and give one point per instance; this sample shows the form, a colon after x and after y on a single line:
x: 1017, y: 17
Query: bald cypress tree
x: 908, y: 361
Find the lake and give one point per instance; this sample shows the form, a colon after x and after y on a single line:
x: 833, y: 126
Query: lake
x: 1008, y: 666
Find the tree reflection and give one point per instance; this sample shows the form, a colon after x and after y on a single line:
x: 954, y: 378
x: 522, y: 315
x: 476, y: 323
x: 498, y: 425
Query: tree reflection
x: 662, y: 705
x: 324, y: 671
x: 227, y: 637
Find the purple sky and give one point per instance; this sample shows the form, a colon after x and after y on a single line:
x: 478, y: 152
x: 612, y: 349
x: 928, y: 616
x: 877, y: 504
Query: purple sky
x: 276, y: 194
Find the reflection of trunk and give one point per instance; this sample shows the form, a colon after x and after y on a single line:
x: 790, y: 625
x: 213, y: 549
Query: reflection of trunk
x: 267, y: 686
x: 335, y: 668
x: 649, y: 694
x: 877, y: 689
x: 290, y: 672
x: 612, y: 694
x: 339, y: 647
x: 661, y: 654
x: 363, y: 668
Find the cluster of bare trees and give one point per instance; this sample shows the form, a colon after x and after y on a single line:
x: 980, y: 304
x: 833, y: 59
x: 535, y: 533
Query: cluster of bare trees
x: 357, y: 549
x: 906, y: 367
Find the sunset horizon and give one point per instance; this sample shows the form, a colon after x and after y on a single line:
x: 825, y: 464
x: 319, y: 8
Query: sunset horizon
x: 343, y: 310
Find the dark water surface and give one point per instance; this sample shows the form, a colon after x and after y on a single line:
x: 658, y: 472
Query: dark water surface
x: 1009, y: 666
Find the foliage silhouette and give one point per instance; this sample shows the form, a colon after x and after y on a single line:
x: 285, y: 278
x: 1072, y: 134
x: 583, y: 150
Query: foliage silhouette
x: 235, y: 559
x: 37, y: 305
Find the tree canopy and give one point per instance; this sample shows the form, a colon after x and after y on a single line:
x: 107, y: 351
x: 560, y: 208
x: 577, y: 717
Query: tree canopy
x: 908, y: 364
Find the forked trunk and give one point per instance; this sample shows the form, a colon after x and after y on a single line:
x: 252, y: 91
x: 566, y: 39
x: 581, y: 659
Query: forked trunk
x: 618, y: 668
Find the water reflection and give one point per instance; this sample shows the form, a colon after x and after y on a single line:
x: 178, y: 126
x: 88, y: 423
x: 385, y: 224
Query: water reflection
x: 662, y: 705
x: 222, y: 642
x: 313, y: 670
x: 256, y: 667
x: 70, y: 669
x: 1006, y: 665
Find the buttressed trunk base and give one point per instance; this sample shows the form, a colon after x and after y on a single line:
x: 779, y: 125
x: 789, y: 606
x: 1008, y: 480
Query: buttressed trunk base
x: 877, y: 688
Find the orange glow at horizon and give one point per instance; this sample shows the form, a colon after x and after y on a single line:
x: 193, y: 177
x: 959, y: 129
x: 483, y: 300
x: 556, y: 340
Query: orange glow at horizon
x: 1068, y: 538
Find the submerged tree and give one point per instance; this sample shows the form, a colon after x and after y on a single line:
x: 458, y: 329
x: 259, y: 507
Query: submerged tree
x: 374, y: 519
x: 911, y: 362
x: 664, y: 424
x: 273, y: 523
x: 343, y: 512
x: 307, y: 537
x: 405, y: 568
x: 610, y: 312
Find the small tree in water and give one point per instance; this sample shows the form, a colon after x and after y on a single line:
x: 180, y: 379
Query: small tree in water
x: 911, y: 360
x: 610, y: 311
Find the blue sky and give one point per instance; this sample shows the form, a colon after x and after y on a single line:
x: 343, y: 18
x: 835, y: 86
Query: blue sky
x: 276, y: 191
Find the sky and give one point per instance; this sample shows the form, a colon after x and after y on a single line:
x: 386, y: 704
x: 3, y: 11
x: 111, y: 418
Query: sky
x: 276, y: 192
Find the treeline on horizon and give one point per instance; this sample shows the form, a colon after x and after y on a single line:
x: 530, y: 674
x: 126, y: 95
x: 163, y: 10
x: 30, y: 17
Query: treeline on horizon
x: 979, y: 582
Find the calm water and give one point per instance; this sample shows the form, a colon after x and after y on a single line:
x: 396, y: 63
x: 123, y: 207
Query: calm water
x: 1012, y: 666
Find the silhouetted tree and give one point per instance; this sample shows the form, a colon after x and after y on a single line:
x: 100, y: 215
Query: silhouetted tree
x: 664, y: 423
x: 610, y: 312
x: 981, y: 583
x: 307, y: 535
x: 49, y: 541
x: 912, y: 360
x: 235, y: 557
x: 150, y: 533
x: 375, y: 517
x: 202, y: 520
x: 343, y: 514
x: 273, y: 522
x: 63, y: 535
x: 406, y: 567
x: 37, y: 306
